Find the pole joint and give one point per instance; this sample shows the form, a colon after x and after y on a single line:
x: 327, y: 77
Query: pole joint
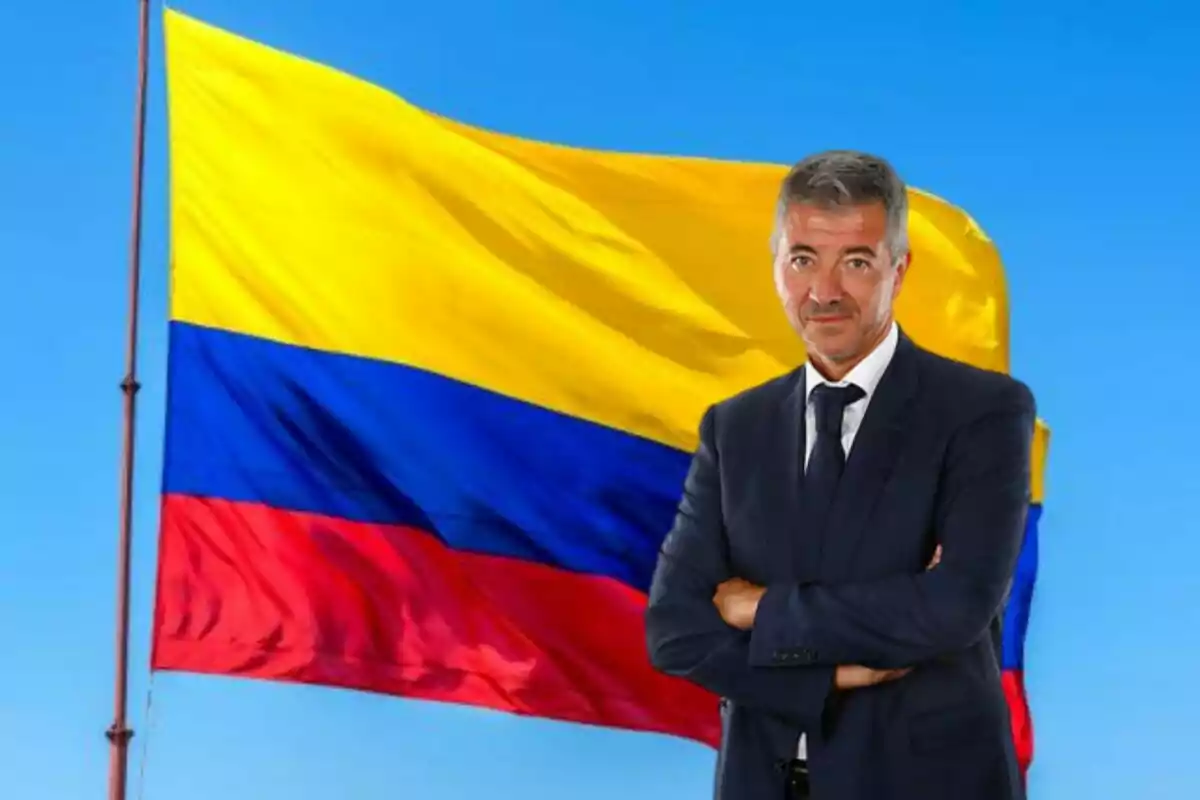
x: 119, y: 736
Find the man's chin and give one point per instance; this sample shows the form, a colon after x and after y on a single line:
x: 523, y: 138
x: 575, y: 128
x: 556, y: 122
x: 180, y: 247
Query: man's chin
x: 841, y: 356
x: 834, y: 349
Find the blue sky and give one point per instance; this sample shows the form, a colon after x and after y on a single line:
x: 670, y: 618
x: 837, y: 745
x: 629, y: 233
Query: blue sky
x: 1068, y: 133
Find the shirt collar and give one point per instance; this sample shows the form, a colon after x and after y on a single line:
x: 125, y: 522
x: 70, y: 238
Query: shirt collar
x: 866, y: 374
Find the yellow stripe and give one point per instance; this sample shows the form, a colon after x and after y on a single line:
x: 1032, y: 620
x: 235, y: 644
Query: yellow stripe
x: 1041, y: 448
x: 312, y: 208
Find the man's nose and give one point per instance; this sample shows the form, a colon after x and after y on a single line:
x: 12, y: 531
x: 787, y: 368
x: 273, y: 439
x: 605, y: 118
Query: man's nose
x: 826, y: 287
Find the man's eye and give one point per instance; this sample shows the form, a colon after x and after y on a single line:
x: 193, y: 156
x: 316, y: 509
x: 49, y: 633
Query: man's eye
x: 858, y: 263
x: 800, y: 262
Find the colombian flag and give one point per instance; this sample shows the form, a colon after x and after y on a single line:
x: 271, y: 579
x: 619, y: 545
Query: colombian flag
x: 433, y: 390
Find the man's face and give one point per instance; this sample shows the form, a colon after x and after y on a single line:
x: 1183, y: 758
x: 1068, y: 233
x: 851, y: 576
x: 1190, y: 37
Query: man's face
x: 836, y: 278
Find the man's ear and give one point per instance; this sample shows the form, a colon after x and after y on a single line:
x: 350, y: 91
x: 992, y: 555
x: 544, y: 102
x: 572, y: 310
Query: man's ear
x: 901, y: 270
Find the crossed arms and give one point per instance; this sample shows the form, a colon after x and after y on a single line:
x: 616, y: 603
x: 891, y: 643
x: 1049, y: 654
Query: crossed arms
x: 781, y: 646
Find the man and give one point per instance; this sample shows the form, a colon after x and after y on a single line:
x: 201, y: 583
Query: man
x: 838, y: 565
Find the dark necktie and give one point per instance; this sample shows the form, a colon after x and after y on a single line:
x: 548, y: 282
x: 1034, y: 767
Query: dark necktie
x: 827, y: 459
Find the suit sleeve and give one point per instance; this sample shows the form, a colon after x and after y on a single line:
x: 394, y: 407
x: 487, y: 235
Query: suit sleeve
x: 904, y: 620
x: 685, y: 633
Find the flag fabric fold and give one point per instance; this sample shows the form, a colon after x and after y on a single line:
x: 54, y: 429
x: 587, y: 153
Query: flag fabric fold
x: 433, y: 389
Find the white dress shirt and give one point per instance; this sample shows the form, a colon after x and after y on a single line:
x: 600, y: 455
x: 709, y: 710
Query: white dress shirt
x: 865, y: 375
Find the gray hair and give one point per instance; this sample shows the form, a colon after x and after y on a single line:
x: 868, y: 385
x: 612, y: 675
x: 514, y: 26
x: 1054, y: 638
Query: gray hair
x: 847, y: 178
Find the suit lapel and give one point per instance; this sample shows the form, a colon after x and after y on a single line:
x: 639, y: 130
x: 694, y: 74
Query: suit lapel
x: 802, y: 546
x: 876, y: 448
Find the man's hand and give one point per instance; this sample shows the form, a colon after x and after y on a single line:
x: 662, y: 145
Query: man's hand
x: 937, y: 558
x: 852, y: 676
x: 737, y: 601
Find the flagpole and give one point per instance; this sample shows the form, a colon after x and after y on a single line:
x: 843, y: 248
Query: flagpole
x: 119, y: 733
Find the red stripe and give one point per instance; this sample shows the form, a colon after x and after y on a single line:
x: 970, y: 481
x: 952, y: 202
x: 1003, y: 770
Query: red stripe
x: 1018, y: 707
x: 251, y: 591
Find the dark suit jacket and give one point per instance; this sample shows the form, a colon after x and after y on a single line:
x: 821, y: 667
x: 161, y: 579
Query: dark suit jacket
x: 942, y: 456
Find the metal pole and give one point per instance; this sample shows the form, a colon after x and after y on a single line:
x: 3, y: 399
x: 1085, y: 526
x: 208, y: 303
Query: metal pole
x: 118, y: 733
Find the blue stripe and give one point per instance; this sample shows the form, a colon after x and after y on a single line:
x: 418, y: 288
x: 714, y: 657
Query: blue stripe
x: 1020, y: 599
x: 370, y: 441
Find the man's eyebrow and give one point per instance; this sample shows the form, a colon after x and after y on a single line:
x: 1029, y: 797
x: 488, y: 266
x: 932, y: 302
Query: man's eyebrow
x: 856, y: 250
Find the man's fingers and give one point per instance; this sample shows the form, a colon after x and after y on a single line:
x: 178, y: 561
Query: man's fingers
x: 853, y: 676
x: 937, y: 558
x: 888, y: 675
x: 892, y: 674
